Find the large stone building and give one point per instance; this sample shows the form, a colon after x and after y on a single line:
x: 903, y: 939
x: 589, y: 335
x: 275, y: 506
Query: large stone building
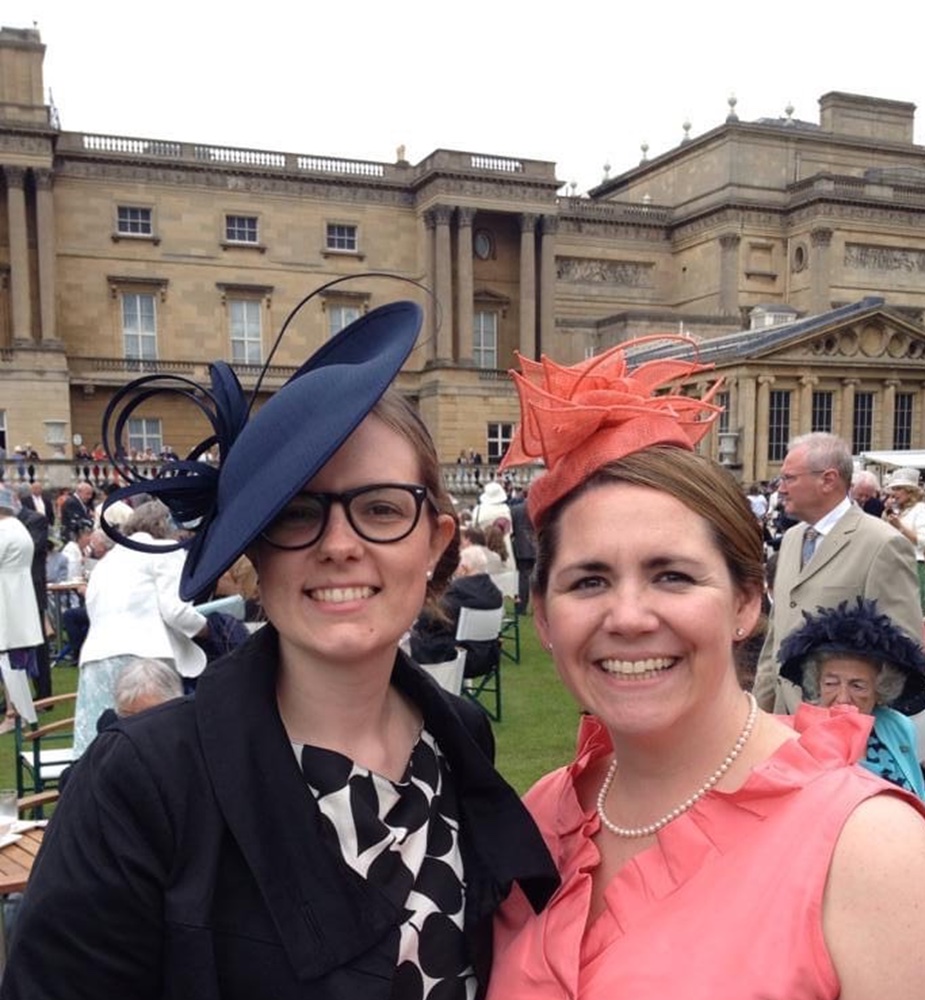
x: 124, y: 255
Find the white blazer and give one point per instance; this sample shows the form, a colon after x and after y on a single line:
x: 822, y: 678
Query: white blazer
x: 133, y: 600
x: 20, y: 624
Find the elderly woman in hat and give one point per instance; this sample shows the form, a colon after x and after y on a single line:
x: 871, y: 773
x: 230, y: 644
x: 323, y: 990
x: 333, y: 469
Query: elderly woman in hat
x: 321, y: 819
x: 905, y: 511
x: 706, y: 849
x: 851, y: 655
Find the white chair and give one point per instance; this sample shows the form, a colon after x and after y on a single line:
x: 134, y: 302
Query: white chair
x: 448, y: 675
x: 482, y: 626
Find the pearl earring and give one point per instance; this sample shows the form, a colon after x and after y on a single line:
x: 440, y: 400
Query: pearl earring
x: 430, y: 574
x: 740, y: 632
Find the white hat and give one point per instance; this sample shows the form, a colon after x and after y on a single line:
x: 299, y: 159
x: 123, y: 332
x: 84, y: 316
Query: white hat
x: 493, y: 493
x: 904, y: 477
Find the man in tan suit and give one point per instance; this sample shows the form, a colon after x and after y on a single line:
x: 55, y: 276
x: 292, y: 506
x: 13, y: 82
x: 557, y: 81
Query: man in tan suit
x: 846, y: 554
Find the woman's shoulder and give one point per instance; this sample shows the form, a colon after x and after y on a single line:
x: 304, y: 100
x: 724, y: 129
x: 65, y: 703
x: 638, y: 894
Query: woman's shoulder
x: 874, y: 917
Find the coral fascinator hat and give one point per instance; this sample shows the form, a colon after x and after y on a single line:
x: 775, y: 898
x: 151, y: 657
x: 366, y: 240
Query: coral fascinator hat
x: 267, y: 457
x: 578, y: 418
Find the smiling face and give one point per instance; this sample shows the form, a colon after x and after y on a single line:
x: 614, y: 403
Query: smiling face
x: 344, y: 599
x: 641, y: 614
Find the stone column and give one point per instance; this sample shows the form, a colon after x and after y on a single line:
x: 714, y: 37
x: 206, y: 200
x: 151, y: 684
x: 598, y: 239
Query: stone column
x: 549, y: 225
x: 847, y: 411
x: 762, y: 417
x: 918, y: 417
x: 443, y: 285
x: 888, y: 423
x: 807, y: 384
x: 464, y: 287
x: 527, y: 345
x: 754, y: 438
x: 819, y: 266
x: 45, y: 220
x: 20, y: 295
x: 430, y: 309
x: 729, y: 274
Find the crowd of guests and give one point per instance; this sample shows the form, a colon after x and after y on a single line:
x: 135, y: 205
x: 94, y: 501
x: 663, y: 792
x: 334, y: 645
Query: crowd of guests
x: 115, y: 604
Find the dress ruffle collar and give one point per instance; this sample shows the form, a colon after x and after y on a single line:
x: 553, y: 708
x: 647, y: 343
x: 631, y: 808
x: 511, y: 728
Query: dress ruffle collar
x: 827, y: 739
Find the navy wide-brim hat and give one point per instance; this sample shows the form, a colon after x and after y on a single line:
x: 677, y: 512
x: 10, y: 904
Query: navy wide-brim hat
x: 267, y: 458
x: 858, y: 629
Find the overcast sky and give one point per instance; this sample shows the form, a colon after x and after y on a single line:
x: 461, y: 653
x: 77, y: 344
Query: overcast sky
x: 582, y: 83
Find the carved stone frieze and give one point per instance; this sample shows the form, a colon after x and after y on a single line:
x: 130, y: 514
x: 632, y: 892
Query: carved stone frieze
x: 870, y: 257
x: 859, y: 213
x: 16, y: 142
x: 871, y: 342
x: 451, y: 188
x: 349, y: 190
x: 638, y: 232
x: 582, y: 270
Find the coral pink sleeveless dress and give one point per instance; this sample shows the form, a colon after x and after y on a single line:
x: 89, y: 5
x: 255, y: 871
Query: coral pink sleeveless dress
x: 726, y: 904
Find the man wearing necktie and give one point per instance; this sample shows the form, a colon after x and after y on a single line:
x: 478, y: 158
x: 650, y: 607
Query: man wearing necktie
x: 837, y: 553
x: 809, y: 545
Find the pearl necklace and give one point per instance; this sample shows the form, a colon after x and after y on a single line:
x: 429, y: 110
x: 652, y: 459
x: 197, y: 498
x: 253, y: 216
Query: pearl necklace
x: 647, y: 831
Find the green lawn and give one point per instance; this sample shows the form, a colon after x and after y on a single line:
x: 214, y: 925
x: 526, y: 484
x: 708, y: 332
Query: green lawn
x: 536, y: 733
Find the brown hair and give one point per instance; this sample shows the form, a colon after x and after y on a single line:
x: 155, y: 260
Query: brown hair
x: 700, y: 484
x: 398, y: 415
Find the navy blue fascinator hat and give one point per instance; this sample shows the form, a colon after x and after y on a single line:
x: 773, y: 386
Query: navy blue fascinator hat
x: 265, y: 459
x: 858, y: 629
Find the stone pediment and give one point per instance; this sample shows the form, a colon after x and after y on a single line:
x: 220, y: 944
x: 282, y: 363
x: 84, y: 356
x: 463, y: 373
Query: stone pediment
x: 861, y: 333
x: 875, y: 338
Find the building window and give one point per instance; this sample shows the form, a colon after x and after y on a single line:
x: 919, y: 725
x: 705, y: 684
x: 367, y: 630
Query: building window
x: 341, y: 237
x: 132, y: 221
x: 903, y: 412
x: 3, y: 429
x: 144, y: 436
x: 485, y: 339
x: 244, y: 327
x: 821, y: 417
x: 499, y: 439
x: 139, y: 326
x: 241, y: 228
x: 722, y: 422
x: 778, y: 424
x: 340, y: 316
x: 862, y: 430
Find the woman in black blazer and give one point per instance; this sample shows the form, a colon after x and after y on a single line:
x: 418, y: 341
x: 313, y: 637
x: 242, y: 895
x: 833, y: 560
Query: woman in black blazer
x: 321, y: 820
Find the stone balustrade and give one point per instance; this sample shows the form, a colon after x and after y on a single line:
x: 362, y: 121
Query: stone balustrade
x: 465, y: 482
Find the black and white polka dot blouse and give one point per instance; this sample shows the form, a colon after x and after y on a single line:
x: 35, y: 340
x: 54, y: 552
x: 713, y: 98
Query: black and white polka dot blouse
x: 403, y: 837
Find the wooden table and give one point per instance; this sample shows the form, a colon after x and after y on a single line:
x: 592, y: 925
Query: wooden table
x: 16, y: 862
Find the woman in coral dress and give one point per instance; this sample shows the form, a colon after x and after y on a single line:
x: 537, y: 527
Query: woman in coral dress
x: 707, y: 850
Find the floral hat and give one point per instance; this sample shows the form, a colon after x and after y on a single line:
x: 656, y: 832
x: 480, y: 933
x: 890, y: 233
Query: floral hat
x: 858, y: 629
x: 578, y: 418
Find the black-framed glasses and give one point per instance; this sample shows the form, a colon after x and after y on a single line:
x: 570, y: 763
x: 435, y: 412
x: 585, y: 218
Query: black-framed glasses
x: 381, y: 513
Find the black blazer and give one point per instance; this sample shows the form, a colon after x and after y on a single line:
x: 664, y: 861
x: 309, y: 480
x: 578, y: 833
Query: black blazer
x: 186, y: 857
x: 29, y: 503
